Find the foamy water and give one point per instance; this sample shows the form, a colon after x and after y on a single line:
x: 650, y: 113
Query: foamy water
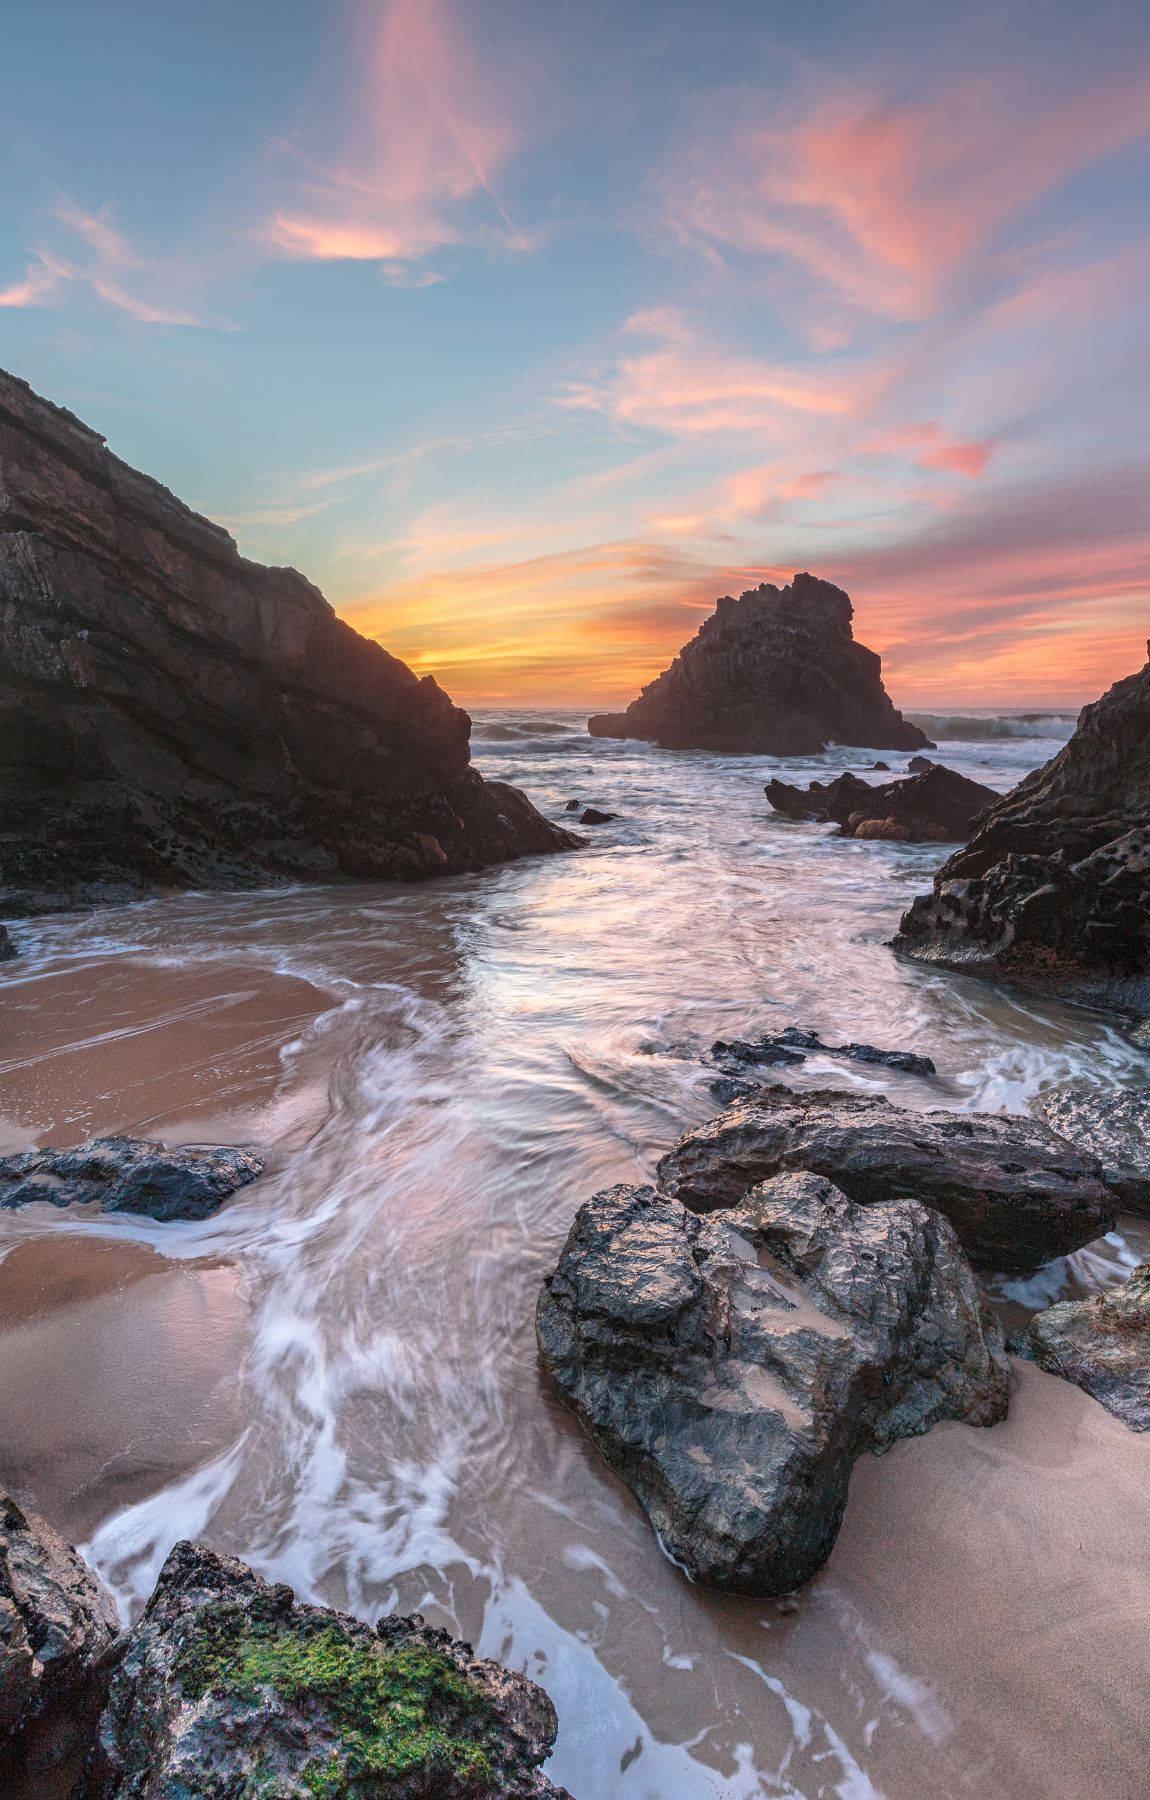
x: 440, y: 1075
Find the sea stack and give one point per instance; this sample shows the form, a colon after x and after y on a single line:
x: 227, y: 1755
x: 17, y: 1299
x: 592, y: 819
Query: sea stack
x: 173, y: 715
x: 775, y: 673
x: 1053, y: 890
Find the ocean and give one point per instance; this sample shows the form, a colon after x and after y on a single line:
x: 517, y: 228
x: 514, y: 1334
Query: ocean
x: 336, y: 1377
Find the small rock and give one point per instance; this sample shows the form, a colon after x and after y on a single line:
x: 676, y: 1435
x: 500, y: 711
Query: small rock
x: 761, y: 1050
x: 888, y: 829
x: 918, y: 765
x: 935, y: 804
x: 133, y: 1175
x: 726, y: 1088
x: 905, y: 1060
x: 1111, y: 1123
x: 783, y: 1046
x: 877, y: 766
x: 7, y: 947
x: 228, y: 1686
x: 732, y: 1369
x: 573, y: 806
x: 1101, y: 1344
x: 1016, y: 1193
x: 592, y: 816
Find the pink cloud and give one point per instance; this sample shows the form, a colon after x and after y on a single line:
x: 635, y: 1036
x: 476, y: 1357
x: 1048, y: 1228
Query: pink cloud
x: 99, y: 265
x: 429, y: 135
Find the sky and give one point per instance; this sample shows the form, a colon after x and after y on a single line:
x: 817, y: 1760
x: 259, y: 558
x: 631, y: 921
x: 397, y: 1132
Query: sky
x: 526, y: 330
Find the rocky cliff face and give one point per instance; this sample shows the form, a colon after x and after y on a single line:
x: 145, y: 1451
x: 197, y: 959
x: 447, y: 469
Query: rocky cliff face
x: 172, y: 715
x: 1053, y: 890
x: 775, y: 673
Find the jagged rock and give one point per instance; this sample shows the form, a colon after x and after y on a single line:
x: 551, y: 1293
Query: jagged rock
x: 1053, y: 890
x: 592, y: 816
x: 172, y: 715
x: 790, y: 1045
x: 132, y: 1175
x: 1101, y: 1344
x: 1016, y: 1193
x: 57, y: 1621
x: 1111, y: 1123
x: 726, y: 1088
x: 937, y: 804
x: 229, y: 1687
x: 732, y: 1369
x: 776, y: 672
x: 918, y: 765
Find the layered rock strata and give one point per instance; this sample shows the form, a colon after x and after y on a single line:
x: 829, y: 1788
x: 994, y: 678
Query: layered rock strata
x: 172, y: 715
x: 776, y: 672
x: 732, y: 1369
x: 1053, y: 890
x: 1015, y: 1192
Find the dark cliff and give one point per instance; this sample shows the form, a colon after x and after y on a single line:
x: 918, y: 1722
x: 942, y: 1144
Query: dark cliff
x: 774, y: 673
x: 1053, y: 890
x: 172, y: 715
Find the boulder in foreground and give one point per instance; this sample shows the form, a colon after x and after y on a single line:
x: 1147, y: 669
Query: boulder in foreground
x: 57, y: 1622
x: 732, y: 1369
x: 1016, y: 1193
x: 1053, y: 890
x: 133, y: 1175
x: 230, y: 1687
x: 775, y: 673
x: 939, y: 805
x: 1101, y: 1344
x: 174, y: 716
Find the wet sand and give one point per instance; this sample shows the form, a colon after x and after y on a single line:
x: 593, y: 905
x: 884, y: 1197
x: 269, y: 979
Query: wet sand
x: 119, y: 1371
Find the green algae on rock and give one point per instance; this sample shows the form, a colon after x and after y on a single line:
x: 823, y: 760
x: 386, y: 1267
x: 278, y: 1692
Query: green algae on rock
x: 230, y: 1689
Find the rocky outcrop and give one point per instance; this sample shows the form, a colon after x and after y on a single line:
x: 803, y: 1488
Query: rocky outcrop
x: 129, y: 1175
x: 1053, y: 890
x: 1101, y: 1344
x: 777, y: 673
x: 57, y: 1621
x: 936, y: 805
x: 229, y: 1686
x: 732, y: 1369
x: 172, y: 715
x: 1111, y: 1123
x: 1015, y: 1192
x: 794, y: 1042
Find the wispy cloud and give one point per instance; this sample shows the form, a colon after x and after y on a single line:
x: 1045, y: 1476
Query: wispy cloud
x: 103, y: 262
x: 429, y: 136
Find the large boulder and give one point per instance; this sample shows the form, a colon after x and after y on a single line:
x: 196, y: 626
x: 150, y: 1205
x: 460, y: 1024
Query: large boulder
x: 1016, y: 1193
x: 776, y: 672
x: 732, y: 1369
x: 1111, y: 1123
x: 57, y: 1621
x: 1101, y: 1344
x: 937, y: 805
x: 230, y: 1689
x: 132, y: 1175
x: 172, y: 715
x: 1053, y: 890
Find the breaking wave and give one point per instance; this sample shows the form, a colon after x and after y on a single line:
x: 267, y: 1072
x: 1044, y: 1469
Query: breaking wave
x: 980, y: 728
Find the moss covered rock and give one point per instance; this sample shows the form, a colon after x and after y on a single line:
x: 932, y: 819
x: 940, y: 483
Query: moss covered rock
x: 230, y: 1689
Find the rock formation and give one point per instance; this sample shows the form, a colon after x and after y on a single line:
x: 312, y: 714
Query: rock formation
x: 229, y: 1686
x: 777, y: 673
x: 794, y: 1042
x: 1111, y: 1123
x: 56, y: 1618
x: 1053, y: 890
x: 1015, y: 1192
x: 732, y: 1369
x: 131, y: 1175
x: 937, y: 805
x: 172, y: 715
x: 1101, y: 1344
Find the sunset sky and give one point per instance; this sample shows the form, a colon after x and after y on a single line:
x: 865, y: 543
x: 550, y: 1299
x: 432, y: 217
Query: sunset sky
x: 527, y: 330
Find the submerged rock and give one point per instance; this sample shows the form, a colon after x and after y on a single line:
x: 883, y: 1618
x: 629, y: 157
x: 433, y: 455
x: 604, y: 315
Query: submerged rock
x: 1053, y: 890
x: 777, y: 673
x: 57, y: 1621
x: 1111, y: 1123
x: 173, y: 716
x: 763, y: 1050
x: 791, y: 1044
x: 732, y: 1369
x: 1016, y: 1193
x: 133, y: 1175
x: 1101, y: 1344
x: 592, y: 816
x: 230, y: 1687
x: 937, y: 804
